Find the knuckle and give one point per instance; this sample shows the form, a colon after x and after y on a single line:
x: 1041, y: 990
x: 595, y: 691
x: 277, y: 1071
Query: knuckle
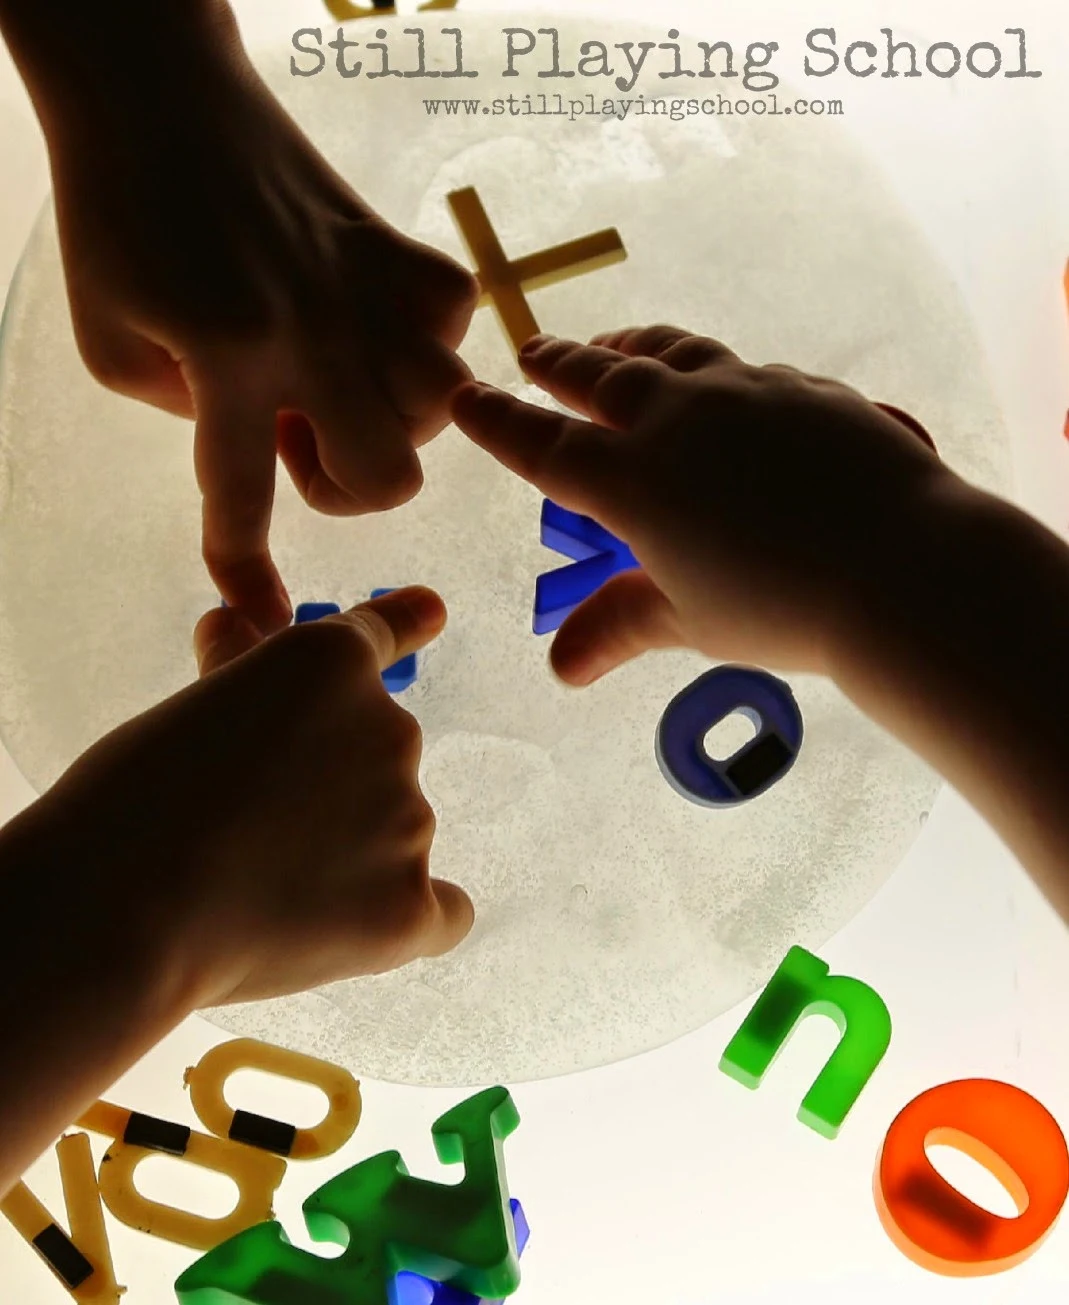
x: 657, y: 337
x: 417, y: 823
x: 626, y: 380
x: 105, y: 366
x: 694, y: 352
x: 457, y: 284
x: 783, y: 373
x: 222, y: 311
x: 411, y: 895
x: 792, y: 383
x: 404, y: 736
x: 446, y: 371
x: 323, y: 650
x: 405, y: 837
x: 399, y: 487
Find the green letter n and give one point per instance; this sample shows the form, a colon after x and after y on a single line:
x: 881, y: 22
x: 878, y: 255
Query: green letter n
x: 387, y: 1222
x: 802, y: 986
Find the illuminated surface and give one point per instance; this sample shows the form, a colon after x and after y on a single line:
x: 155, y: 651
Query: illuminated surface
x: 726, y: 1195
x: 552, y: 811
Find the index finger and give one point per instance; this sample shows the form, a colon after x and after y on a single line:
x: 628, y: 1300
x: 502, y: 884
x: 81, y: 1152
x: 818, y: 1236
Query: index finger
x: 572, y: 461
x: 234, y: 457
x: 398, y: 623
x: 604, y: 384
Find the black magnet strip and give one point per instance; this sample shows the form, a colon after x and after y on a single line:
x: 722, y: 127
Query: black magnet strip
x: 267, y: 1134
x: 157, y: 1134
x: 758, y: 764
x: 64, y: 1258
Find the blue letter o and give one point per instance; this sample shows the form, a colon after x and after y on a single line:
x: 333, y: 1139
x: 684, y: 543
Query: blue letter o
x: 688, y: 718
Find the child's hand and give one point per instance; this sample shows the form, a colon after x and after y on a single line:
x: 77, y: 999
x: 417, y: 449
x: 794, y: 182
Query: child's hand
x: 264, y: 831
x: 219, y: 268
x: 752, y: 496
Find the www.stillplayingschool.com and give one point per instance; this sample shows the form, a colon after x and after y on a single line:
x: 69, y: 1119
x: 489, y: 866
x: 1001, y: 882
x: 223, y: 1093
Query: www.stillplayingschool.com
x: 417, y: 53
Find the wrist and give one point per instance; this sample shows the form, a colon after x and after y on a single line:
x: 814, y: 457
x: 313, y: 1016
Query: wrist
x: 900, y: 562
x: 106, y: 61
x: 81, y: 996
x: 87, y: 929
x: 957, y: 645
x: 913, y: 644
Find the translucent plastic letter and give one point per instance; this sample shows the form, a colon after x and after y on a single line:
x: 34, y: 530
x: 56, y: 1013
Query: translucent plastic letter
x: 82, y: 1262
x: 387, y: 1222
x: 802, y: 986
x: 1000, y: 1127
x: 207, y: 1079
x: 255, y: 1173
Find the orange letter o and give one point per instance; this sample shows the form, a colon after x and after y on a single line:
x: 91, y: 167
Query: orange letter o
x: 1005, y: 1130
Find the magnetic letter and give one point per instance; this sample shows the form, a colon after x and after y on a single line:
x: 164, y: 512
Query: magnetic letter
x: 1011, y: 1135
x: 802, y: 986
x: 387, y: 1222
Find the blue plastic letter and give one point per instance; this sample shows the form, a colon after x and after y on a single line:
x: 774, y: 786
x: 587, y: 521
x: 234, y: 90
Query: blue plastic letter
x: 766, y: 701
x: 596, y: 553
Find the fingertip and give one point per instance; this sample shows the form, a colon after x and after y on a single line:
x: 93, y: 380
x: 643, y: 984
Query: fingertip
x: 398, y: 623
x: 408, y: 479
x: 396, y: 478
x: 536, y: 342
x: 279, y: 617
x: 573, y: 665
x: 427, y: 607
x: 546, y: 352
x: 221, y: 635
x: 420, y: 372
x: 623, y: 619
x: 463, y: 400
x: 208, y: 629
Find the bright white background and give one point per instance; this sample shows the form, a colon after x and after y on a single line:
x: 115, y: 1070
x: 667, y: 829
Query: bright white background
x: 660, y: 1179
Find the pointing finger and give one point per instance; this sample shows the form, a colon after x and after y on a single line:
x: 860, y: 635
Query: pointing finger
x: 234, y: 456
x: 573, y: 462
x: 222, y: 635
x: 398, y: 623
x: 606, y: 385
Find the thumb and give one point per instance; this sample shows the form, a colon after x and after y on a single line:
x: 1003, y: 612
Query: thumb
x: 626, y: 617
x: 397, y: 623
x: 220, y: 636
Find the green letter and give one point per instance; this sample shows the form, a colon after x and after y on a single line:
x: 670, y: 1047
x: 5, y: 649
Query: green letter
x: 387, y: 1222
x: 802, y: 986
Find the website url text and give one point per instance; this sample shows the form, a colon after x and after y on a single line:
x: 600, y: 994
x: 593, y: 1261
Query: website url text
x: 557, y: 106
